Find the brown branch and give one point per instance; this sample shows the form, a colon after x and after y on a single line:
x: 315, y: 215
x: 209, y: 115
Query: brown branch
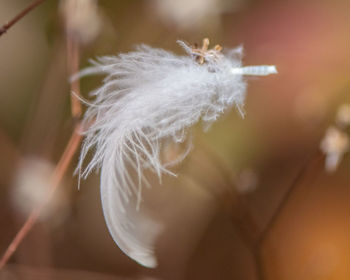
x: 56, y: 178
x: 9, y: 24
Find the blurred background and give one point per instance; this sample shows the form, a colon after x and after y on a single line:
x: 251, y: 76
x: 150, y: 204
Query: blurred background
x: 252, y: 201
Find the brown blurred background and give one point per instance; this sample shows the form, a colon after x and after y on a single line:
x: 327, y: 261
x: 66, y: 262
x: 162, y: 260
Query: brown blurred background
x: 252, y: 201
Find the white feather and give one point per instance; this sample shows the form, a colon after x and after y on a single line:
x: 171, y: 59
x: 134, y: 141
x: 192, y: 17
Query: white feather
x: 148, y: 97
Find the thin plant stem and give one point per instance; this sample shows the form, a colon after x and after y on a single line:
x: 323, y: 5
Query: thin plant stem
x: 296, y: 181
x: 247, y: 228
x: 56, y: 178
x: 73, y: 55
x: 19, y: 16
x: 73, y: 59
x: 257, y: 248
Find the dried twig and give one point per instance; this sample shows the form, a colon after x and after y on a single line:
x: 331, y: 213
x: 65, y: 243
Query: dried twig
x: 9, y: 24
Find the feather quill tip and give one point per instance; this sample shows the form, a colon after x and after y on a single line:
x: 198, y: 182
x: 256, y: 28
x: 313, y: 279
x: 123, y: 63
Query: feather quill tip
x: 261, y: 70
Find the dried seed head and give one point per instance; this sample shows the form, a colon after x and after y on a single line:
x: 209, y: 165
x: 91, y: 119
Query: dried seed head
x: 205, y: 54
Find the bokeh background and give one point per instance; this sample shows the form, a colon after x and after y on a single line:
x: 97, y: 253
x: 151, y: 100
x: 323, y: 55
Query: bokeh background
x: 253, y: 199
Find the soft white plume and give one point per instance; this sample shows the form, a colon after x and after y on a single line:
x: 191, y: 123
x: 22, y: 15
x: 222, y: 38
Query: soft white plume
x: 150, y: 96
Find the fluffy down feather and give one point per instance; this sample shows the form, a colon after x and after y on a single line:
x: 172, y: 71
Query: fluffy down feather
x: 147, y: 97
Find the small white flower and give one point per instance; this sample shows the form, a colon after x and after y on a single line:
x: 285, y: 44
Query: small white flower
x: 193, y: 14
x: 31, y: 189
x: 343, y: 115
x: 334, y: 145
x: 150, y: 97
x: 82, y: 19
x: 246, y: 181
